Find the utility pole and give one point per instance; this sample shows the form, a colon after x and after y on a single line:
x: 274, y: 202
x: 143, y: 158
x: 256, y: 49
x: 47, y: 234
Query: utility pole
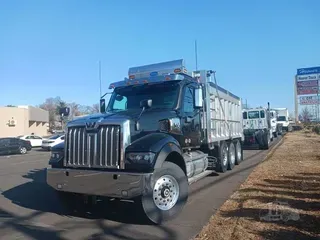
x: 196, y: 54
x: 100, y: 78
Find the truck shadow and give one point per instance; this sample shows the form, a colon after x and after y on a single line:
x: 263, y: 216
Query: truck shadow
x: 39, y: 196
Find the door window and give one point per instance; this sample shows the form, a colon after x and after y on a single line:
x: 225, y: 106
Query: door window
x: 4, y: 142
x: 188, y: 103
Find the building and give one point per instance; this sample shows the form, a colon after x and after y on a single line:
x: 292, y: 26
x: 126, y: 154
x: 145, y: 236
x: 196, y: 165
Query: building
x: 21, y: 120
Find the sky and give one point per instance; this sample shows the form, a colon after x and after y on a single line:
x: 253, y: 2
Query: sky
x: 53, y: 48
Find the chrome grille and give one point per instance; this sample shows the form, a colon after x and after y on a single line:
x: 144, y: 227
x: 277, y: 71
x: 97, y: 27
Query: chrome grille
x: 98, y: 149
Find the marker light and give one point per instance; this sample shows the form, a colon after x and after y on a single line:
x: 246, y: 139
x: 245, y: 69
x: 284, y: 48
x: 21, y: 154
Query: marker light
x: 111, y: 86
x: 168, y: 78
x: 177, y: 70
x: 145, y: 81
x: 131, y: 77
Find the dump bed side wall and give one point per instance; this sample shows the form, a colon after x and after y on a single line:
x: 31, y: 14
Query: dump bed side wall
x: 216, y: 127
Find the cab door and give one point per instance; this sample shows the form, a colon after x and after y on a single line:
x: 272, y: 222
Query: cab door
x: 190, y: 121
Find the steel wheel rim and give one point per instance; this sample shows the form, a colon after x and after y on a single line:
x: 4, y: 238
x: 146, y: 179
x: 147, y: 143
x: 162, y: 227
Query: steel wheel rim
x: 238, y: 150
x: 232, y: 153
x: 225, y: 156
x: 166, y: 192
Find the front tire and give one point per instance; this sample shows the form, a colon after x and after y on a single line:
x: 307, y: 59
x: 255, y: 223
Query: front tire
x: 167, y: 194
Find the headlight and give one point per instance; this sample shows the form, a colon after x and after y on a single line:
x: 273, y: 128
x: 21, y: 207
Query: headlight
x: 56, y: 156
x: 171, y: 125
x: 140, y: 158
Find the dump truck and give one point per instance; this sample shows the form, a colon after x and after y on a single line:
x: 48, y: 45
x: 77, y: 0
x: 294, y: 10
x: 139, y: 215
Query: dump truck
x: 258, y: 129
x: 163, y: 129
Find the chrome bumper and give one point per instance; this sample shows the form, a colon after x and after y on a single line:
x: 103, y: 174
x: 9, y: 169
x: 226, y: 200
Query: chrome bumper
x: 98, y: 183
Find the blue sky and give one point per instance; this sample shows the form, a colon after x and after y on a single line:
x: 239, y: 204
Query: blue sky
x: 52, y: 48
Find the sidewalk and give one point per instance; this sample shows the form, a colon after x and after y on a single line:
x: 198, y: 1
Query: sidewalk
x: 279, y: 200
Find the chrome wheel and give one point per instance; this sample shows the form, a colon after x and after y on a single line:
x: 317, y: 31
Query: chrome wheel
x: 238, y: 150
x: 232, y: 154
x: 225, y: 156
x: 23, y: 150
x: 166, y: 192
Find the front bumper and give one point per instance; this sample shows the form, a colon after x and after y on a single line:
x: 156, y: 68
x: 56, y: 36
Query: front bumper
x: 99, y: 183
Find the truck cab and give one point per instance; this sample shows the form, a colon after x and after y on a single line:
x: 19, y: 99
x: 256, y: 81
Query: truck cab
x: 163, y: 129
x: 284, y: 119
x: 258, y: 127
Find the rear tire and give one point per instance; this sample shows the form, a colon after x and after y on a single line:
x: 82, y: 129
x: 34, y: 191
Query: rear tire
x: 167, y: 194
x: 23, y: 150
x: 239, y: 152
x: 222, y: 161
x: 231, y: 155
x: 275, y: 135
x: 266, y: 141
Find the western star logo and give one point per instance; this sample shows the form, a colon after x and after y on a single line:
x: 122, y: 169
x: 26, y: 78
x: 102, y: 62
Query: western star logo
x: 90, y: 125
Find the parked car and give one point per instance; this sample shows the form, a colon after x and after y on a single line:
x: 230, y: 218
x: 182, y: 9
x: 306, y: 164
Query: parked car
x: 36, y: 141
x: 14, y: 145
x: 47, y: 144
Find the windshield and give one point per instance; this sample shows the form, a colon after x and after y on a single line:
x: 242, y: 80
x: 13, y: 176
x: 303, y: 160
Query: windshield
x: 54, y: 136
x: 281, y: 118
x: 163, y: 96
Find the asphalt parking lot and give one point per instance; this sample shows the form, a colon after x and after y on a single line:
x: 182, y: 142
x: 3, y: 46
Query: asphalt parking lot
x: 29, y: 209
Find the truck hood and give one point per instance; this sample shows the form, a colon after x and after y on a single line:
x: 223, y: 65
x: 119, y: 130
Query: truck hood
x: 147, y: 116
x: 149, y: 121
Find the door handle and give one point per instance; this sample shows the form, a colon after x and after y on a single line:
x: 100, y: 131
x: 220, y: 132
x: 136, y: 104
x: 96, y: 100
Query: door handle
x: 189, y: 119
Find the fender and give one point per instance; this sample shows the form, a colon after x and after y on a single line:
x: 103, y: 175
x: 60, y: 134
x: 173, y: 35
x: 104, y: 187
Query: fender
x: 160, y: 143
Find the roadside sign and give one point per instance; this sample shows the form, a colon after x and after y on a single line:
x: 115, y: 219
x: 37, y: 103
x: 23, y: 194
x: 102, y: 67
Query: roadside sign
x: 308, y: 77
x: 309, y: 100
x: 310, y: 83
x: 307, y: 90
x: 308, y: 71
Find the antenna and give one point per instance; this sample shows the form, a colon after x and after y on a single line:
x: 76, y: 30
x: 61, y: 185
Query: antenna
x: 196, y: 53
x: 100, y: 78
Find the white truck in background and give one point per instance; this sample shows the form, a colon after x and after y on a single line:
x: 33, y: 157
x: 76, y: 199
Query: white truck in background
x: 257, y: 128
x: 283, y: 119
x: 275, y: 125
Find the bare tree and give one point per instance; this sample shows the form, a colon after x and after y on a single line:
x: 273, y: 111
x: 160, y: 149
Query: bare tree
x: 50, y: 105
x: 74, y: 110
x: 306, y: 114
x: 95, y: 108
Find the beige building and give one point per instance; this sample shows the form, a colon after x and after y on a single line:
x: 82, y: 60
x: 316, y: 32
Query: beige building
x: 21, y: 120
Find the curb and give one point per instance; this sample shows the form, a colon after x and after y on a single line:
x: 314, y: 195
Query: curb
x: 273, y: 149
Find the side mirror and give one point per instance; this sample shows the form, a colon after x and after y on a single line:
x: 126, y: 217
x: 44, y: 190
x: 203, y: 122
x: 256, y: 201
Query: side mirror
x: 65, y: 111
x: 146, y: 103
x: 102, y: 105
x: 198, y: 102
